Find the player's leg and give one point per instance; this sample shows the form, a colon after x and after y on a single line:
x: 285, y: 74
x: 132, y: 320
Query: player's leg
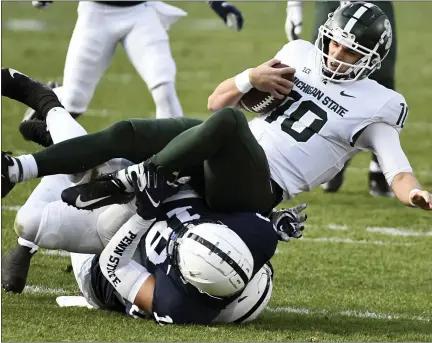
x: 16, y: 262
x: 147, y: 46
x: 232, y: 163
x: 90, y: 52
x: 81, y: 266
x: 135, y: 140
x: 237, y: 176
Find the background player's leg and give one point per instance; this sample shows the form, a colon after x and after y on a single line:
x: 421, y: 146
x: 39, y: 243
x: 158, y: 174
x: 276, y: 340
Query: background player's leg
x: 147, y: 46
x: 90, y: 51
x: 237, y: 176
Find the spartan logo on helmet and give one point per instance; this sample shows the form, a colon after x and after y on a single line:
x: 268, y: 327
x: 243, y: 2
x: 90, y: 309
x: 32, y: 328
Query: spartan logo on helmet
x: 388, y: 33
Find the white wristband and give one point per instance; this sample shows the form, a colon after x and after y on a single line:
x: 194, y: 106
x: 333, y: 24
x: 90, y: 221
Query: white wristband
x: 415, y: 190
x: 242, y: 81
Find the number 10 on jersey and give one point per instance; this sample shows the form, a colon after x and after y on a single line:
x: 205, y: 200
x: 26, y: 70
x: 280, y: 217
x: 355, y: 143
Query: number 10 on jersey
x: 312, y: 117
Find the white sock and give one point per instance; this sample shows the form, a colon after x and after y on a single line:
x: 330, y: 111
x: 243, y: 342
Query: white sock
x: 25, y: 243
x: 374, y: 167
x: 167, y: 102
x: 62, y: 126
x: 29, y: 169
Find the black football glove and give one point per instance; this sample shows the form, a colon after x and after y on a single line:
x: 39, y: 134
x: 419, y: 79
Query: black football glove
x: 289, y: 222
x: 41, y: 4
x: 152, y: 187
x: 230, y: 14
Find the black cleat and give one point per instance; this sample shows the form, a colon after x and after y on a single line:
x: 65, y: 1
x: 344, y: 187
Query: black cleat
x: 15, y: 268
x: 34, y: 94
x: 30, y: 113
x: 336, y: 183
x: 36, y: 131
x: 106, y: 190
x: 6, y: 184
x: 378, y: 186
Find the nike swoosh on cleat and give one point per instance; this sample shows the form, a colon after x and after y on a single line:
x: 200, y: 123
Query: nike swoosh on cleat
x: 12, y: 72
x: 80, y: 203
x: 154, y: 203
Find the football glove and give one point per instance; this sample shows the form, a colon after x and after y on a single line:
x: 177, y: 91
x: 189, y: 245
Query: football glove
x: 293, y: 23
x: 152, y: 188
x: 41, y: 4
x: 230, y: 14
x: 289, y: 222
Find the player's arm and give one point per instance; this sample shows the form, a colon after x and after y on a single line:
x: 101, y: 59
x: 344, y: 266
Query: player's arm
x: 130, y: 279
x: 264, y: 78
x: 383, y: 140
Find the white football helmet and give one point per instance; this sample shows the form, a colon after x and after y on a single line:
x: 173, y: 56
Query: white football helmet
x: 252, y: 301
x: 211, y: 257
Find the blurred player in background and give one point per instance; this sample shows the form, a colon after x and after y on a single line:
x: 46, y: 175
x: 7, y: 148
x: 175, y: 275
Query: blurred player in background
x: 385, y: 76
x: 141, y: 27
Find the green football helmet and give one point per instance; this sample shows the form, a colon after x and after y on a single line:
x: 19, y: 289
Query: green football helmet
x: 362, y: 27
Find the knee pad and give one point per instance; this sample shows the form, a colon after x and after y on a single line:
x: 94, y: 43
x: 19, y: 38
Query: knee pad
x: 27, y: 221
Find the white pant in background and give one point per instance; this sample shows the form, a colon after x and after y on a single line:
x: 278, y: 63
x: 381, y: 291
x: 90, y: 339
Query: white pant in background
x: 142, y: 30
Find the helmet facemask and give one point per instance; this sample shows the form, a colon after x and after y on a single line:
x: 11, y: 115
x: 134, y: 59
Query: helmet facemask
x: 369, y: 61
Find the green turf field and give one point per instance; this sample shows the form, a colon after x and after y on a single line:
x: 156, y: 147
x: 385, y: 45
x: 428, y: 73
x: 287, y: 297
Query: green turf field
x: 363, y: 271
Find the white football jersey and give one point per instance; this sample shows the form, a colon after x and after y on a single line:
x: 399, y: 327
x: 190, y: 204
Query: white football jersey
x: 311, y: 135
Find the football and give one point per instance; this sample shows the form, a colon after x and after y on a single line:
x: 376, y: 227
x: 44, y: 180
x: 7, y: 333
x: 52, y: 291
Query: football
x: 259, y: 102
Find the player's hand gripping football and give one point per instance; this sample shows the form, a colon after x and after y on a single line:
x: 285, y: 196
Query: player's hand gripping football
x: 152, y: 187
x: 289, y: 222
x: 230, y: 14
x: 268, y: 79
x: 422, y: 199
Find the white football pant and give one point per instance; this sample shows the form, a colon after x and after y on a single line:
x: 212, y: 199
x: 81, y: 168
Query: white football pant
x: 142, y: 30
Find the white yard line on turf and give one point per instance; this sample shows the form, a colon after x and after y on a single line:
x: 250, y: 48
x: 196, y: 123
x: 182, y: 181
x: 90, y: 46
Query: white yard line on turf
x: 399, y: 232
x: 350, y: 313
x: 346, y: 313
x: 351, y: 241
x: 365, y: 170
x: 43, y: 290
x: 60, y: 253
x: 11, y: 208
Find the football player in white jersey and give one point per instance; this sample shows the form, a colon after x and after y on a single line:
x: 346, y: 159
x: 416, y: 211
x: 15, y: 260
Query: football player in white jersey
x: 385, y: 76
x: 46, y: 221
x: 141, y: 27
x: 332, y: 111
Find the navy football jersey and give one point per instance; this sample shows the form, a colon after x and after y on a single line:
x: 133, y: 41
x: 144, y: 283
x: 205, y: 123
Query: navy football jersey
x: 173, y: 300
x: 177, y: 302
